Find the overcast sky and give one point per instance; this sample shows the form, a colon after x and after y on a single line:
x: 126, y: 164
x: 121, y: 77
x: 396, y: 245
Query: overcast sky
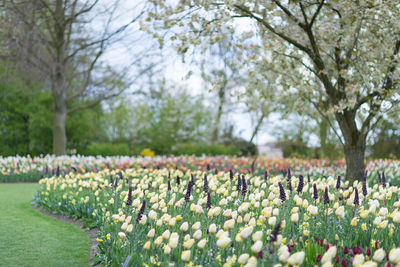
x: 176, y: 71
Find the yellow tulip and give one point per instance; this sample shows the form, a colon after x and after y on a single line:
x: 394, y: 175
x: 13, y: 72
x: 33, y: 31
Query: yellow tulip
x: 146, y: 245
x: 167, y: 250
x: 379, y: 255
x: 185, y: 256
x: 394, y: 255
x: 246, y: 232
x: 358, y: 259
x: 243, y: 258
x: 202, y: 243
x: 184, y: 227
x: 121, y: 235
x: 223, y: 242
x: 383, y: 224
x: 158, y: 240
x: 173, y: 242
x: 257, y: 236
x: 188, y: 243
x: 212, y: 228
x: 229, y: 224
x: 197, y: 234
x: 396, y: 217
x: 196, y: 226
x: 354, y: 221
x: 296, y: 258
x: 294, y: 217
x: 257, y: 246
x: 151, y: 233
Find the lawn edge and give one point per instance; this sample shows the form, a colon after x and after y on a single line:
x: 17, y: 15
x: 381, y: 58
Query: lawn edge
x: 92, y: 233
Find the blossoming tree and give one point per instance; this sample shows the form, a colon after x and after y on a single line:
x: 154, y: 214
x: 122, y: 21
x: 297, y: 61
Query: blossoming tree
x: 340, y: 56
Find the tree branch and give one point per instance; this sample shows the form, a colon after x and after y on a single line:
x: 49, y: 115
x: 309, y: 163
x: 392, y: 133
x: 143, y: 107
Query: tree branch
x: 316, y: 14
x: 272, y: 29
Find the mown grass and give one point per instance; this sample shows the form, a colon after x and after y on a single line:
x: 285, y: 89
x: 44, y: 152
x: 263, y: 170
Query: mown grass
x: 28, y: 238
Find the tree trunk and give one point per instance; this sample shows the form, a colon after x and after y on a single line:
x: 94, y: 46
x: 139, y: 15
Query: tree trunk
x: 59, y: 132
x: 257, y: 128
x: 221, y: 97
x: 354, y: 162
x: 60, y: 115
x: 354, y: 145
x: 323, y: 130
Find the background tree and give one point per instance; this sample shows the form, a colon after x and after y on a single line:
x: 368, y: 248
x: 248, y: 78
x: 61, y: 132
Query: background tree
x: 65, y: 40
x: 350, y: 47
x: 222, y: 76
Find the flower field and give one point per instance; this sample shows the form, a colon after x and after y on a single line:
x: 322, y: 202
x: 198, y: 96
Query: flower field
x: 233, y: 212
x: 28, y: 169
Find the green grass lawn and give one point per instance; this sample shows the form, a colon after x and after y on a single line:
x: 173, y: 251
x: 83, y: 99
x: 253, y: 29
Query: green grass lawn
x: 28, y: 238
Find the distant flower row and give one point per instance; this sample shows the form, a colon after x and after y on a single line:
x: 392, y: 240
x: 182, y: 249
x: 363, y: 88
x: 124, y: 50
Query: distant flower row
x: 226, y: 214
x: 27, y: 169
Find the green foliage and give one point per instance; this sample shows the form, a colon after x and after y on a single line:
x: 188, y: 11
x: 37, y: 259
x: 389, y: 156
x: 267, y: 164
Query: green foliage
x: 205, y: 149
x: 83, y: 127
x: 246, y: 148
x: 387, y: 143
x: 107, y: 149
x: 26, y: 119
x: 293, y: 148
x: 170, y: 118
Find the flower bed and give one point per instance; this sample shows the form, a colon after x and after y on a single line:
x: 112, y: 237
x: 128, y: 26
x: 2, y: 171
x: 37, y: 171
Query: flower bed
x: 150, y: 216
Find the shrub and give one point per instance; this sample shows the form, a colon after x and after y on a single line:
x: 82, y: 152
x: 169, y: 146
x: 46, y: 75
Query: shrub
x: 205, y: 149
x: 107, y: 149
x: 246, y: 148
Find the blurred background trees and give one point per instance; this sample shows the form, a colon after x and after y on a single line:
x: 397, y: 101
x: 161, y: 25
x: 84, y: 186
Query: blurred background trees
x: 118, y: 99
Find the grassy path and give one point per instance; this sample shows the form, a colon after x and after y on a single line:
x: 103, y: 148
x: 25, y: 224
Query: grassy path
x: 28, y: 238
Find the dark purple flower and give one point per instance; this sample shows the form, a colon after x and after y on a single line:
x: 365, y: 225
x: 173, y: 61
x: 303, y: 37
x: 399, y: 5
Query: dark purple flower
x: 188, y: 191
x: 208, y: 200
x: 357, y: 250
x: 383, y: 179
x: 338, y: 182
x: 275, y: 232
x: 244, y: 187
x: 205, y: 185
x: 289, y: 180
x: 319, y: 257
x: 301, y: 184
x: 239, y: 184
x: 260, y: 254
x: 141, y: 211
x: 364, y: 188
x: 344, y: 263
x: 315, y: 192
x: 282, y: 194
x: 129, y: 200
x: 326, y: 196
x: 356, y: 198
x: 346, y: 250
